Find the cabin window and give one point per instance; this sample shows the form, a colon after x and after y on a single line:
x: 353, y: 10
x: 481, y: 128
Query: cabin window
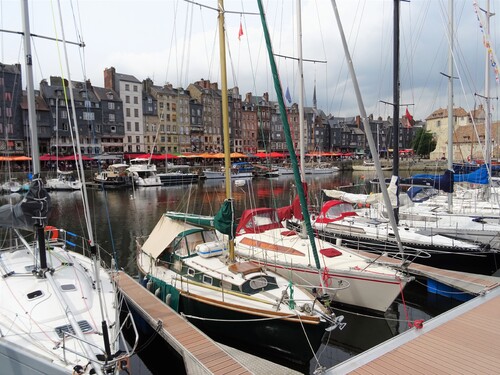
x: 207, y: 280
x: 191, y: 272
x: 63, y: 330
x: 258, y: 283
x: 68, y: 287
x: 35, y: 294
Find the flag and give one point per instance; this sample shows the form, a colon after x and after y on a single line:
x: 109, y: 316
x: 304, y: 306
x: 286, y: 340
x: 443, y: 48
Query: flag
x: 287, y: 96
x: 240, y: 33
x: 409, y: 119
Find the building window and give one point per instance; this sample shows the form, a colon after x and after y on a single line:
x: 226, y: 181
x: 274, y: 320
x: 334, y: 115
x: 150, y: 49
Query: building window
x: 136, y: 100
x: 64, y: 114
x: 129, y: 139
x: 135, y: 88
x: 136, y: 112
x: 127, y: 112
x: 129, y: 126
x: 127, y: 99
x: 113, y: 129
x: 111, y: 117
x: 111, y: 105
x: 136, y: 126
x: 127, y: 87
x: 89, y: 116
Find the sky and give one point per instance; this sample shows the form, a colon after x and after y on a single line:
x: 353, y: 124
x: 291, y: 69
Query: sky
x: 175, y: 41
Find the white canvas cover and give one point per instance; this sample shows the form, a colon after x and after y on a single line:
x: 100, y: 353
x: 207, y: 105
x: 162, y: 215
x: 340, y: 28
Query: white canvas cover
x: 364, y: 198
x: 163, y: 234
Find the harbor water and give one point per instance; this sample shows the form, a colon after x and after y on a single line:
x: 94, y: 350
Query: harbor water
x: 119, y: 217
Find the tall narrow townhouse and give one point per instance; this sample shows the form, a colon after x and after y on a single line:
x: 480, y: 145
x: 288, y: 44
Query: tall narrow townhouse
x: 11, y: 103
x: 249, y: 124
x: 183, y: 120
x: 154, y: 140
x: 209, y: 96
x: 236, y: 122
x: 130, y: 90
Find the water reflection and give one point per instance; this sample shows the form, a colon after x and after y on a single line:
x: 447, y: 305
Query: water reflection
x: 119, y: 217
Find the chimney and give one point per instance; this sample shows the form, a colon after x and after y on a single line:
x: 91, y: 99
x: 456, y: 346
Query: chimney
x: 109, y: 78
x: 248, y: 97
x: 266, y: 96
x: 214, y: 86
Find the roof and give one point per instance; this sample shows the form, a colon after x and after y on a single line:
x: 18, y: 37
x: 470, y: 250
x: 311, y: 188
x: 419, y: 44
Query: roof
x: 102, y: 93
x: 443, y: 113
x: 127, y: 78
x: 469, y: 133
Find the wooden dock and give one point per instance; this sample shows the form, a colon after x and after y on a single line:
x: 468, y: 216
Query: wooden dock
x: 464, y: 340
x: 467, y: 282
x: 201, y: 354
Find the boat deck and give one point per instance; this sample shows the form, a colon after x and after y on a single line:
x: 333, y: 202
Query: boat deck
x: 201, y: 354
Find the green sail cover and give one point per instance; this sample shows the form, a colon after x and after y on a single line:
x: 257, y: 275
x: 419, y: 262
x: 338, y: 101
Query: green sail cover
x: 224, y: 219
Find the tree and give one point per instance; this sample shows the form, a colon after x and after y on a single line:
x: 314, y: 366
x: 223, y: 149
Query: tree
x: 423, y: 143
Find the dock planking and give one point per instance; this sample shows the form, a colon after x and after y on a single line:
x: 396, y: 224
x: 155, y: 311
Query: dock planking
x: 182, y: 335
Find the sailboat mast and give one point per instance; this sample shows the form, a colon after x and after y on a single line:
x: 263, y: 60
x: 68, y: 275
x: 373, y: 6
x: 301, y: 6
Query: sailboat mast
x: 30, y: 89
x: 487, y: 119
x: 288, y: 137
x: 301, y: 91
x: 225, y: 115
x: 35, y: 152
x: 450, y: 97
x: 396, y: 87
x: 368, y: 133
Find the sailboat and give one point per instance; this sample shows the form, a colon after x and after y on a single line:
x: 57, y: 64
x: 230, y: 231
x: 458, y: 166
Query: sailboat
x: 59, y: 308
x: 239, y: 302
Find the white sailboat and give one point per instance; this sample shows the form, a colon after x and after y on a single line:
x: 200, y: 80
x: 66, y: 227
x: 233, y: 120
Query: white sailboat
x: 59, y: 308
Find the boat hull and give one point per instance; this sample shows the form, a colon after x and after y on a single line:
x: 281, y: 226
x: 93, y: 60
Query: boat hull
x: 267, y: 337
x: 456, y: 259
x: 175, y: 178
x: 366, y: 291
x: 247, y: 329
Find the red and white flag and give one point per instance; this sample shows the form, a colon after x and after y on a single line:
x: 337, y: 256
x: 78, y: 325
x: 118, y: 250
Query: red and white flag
x: 240, y: 33
x: 409, y: 119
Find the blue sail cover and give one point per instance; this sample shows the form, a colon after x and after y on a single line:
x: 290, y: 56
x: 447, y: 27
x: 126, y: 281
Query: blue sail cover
x: 442, y: 182
x: 479, y: 176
